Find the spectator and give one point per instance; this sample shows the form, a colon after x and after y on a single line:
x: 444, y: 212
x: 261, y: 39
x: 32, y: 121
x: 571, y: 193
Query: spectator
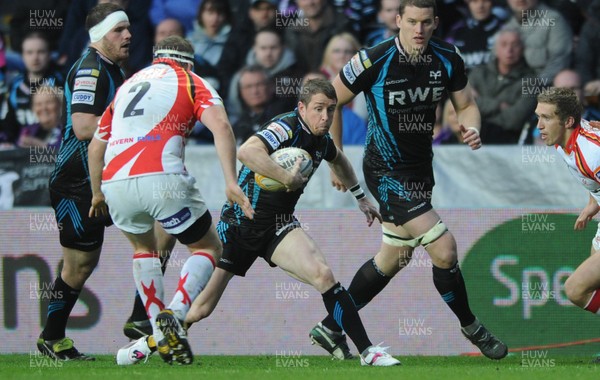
x: 338, y: 52
x: 44, y: 16
x: 308, y: 33
x: 474, y: 35
x: 167, y: 28
x: 211, y: 30
x: 587, y: 54
x: 361, y: 13
x: 261, y: 14
x: 571, y: 79
x: 572, y: 11
x: 547, y: 37
x: 47, y: 132
x: 258, y: 102
x: 16, y: 109
x: 388, y: 9
x: 280, y: 64
x: 448, y: 12
x: 499, y: 91
x: 177, y: 9
x: 340, y: 49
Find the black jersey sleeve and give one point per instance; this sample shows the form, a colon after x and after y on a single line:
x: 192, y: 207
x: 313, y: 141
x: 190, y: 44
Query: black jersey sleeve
x: 90, y: 89
x: 359, y: 73
x: 275, y: 135
x: 330, y: 149
x: 458, y: 79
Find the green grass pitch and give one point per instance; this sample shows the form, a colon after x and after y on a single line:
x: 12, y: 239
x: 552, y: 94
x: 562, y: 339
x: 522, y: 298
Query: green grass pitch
x: 33, y: 366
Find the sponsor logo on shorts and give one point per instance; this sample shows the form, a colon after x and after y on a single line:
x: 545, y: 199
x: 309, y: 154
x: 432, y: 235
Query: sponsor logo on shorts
x: 417, y: 207
x: 226, y: 261
x: 85, y: 83
x: 176, y: 220
x: 270, y: 137
x: 83, y: 97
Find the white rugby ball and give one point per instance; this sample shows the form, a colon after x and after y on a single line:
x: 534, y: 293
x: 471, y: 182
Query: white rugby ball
x: 286, y: 158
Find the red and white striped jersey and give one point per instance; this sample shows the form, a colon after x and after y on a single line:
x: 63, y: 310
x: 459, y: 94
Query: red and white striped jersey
x: 147, y: 123
x: 582, y: 155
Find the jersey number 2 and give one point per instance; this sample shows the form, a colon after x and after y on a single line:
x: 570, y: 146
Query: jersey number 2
x: 130, y: 110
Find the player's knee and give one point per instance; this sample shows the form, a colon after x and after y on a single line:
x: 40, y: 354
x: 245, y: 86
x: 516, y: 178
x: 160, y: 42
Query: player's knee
x: 323, y: 278
x: 76, y: 275
x: 85, y: 271
x: 445, y: 260
x: 575, y: 291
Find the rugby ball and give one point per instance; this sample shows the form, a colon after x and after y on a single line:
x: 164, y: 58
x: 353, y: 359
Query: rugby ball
x: 286, y: 158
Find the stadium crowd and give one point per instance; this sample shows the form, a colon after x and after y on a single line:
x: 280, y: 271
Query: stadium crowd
x: 256, y: 53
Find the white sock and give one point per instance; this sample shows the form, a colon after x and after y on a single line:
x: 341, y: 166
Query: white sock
x: 194, y: 275
x: 149, y: 282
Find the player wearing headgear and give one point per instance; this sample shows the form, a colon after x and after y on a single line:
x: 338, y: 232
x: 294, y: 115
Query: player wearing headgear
x: 137, y: 169
x: 90, y: 87
x: 403, y: 80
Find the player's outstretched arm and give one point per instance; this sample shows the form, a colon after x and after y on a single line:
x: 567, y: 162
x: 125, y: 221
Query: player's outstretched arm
x: 217, y: 122
x: 255, y: 155
x: 342, y: 168
x: 96, y: 151
x: 468, y: 116
x: 587, y: 214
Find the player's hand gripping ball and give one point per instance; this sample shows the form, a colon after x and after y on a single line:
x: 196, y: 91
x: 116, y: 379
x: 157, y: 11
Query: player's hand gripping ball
x: 286, y: 158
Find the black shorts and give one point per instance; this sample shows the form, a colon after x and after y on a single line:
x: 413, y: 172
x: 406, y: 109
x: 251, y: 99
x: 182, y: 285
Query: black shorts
x: 242, y: 245
x: 76, y: 229
x: 401, y: 197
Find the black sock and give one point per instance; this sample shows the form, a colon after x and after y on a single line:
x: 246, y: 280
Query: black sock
x: 62, y: 300
x: 339, y: 304
x: 139, y: 314
x: 366, y: 284
x: 451, y: 286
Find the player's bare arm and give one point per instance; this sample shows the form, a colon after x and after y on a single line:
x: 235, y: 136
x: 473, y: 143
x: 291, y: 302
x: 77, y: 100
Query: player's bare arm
x: 254, y: 154
x: 96, y: 151
x: 217, y: 122
x: 84, y: 125
x: 588, y: 212
x: 344, y: 96
x: 468, y: 116
x: 342, y: 168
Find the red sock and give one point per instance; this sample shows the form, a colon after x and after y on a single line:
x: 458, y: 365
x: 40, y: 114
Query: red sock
x: 593, y: 304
